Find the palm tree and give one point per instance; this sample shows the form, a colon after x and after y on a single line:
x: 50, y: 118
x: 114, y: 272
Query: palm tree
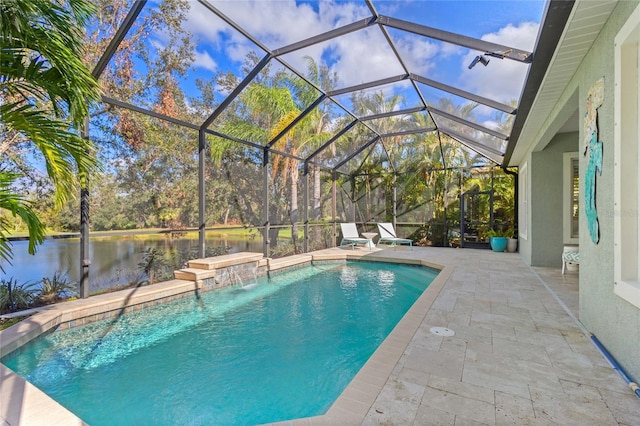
x: 45, y: 91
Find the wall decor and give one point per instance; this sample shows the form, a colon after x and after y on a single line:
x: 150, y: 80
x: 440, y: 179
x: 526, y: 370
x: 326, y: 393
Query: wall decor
x: 593, y: 147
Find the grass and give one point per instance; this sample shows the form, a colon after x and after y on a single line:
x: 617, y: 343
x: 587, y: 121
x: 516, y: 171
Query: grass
x: 8, y: 322
x: 224, y: 231
x: 232, y: 232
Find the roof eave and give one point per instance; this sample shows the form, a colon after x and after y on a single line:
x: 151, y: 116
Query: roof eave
x: 556, y: 17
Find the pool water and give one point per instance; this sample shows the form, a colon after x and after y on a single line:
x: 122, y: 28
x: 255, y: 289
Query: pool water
x: 281, y: 348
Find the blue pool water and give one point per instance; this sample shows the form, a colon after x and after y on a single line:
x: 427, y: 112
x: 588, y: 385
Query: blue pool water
x: 282, y: 349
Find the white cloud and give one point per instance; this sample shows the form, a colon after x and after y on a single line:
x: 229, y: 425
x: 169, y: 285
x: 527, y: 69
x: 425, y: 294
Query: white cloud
x: 277, y: 27
x: 522, y: 36
x: 273, y: 26
x: 491, y: 124
x: 364, y: 56
x: 417, y: 53
x: 449, y: 49
x: 502, y: 79
x: 205, y: 61
x: 358, y: 57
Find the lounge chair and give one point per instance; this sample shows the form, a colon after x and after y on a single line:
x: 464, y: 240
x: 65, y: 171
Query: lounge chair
x: 350, y: 236
x: 388, y: 236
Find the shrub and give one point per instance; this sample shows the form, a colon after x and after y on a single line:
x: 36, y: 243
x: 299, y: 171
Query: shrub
x: 57, y: 287
x: 15, y: 296
x: 153, y: 263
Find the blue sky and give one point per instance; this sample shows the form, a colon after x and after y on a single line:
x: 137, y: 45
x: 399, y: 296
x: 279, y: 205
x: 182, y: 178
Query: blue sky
x: 364, y: 55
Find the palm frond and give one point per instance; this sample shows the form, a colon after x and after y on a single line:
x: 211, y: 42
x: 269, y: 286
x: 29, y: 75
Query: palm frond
x: 50, y: 33
x: 18, y: 207
x: 65, y: 153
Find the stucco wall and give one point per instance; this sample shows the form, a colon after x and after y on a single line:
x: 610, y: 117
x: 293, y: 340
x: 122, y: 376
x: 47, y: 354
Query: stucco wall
x: 524, y: 211
x: 613, y: 320
x: 546, y: 240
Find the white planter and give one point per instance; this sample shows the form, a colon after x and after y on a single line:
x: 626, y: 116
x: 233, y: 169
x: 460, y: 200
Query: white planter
x: 512, y: 245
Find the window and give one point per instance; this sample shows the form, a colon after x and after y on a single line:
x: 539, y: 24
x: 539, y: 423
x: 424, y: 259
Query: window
x: 523, y: 195
x: 627, y: 160
x: 571, y: 197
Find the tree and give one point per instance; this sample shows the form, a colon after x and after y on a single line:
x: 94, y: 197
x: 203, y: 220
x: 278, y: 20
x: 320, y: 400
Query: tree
x: 45, y: 92
x: 151, y: 161
x: 264, y: 109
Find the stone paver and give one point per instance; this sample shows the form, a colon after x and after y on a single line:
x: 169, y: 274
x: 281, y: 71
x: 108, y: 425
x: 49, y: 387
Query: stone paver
x: 523, y: 359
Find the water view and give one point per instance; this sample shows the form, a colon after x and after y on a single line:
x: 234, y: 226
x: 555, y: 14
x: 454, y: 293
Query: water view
x: 114, y: 260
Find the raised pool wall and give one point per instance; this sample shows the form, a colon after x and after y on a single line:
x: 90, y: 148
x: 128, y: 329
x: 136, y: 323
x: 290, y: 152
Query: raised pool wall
x: 614, y: 321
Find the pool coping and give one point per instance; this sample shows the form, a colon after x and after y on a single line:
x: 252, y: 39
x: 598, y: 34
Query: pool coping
x: 23, y: 403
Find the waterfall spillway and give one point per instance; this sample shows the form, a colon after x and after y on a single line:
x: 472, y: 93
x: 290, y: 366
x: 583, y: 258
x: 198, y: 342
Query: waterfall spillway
x: 235, y: 277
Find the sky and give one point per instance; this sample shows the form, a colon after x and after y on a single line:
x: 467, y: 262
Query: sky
x: 365, y: 55
x: 279, y: 23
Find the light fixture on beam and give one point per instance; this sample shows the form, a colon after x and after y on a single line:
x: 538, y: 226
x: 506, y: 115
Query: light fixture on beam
x: 480, y: 58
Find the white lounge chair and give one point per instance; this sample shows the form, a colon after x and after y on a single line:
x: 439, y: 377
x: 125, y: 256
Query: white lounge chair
x: 388, y: 236
x: 350, y: 236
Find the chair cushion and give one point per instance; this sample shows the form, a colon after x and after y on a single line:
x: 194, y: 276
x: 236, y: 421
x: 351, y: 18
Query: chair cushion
x: 571, y: 256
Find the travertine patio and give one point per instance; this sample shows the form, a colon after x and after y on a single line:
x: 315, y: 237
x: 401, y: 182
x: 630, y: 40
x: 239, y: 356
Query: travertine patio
x: 517, y: 356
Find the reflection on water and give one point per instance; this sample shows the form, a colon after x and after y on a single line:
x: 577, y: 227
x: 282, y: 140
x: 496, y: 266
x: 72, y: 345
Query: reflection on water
x: 114, y: 260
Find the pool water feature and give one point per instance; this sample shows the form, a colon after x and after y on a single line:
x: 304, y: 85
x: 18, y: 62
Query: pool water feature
x: 284, y: 348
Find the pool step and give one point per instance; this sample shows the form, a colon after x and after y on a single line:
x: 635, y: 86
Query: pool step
x: 194, y: 274
x: 224, y: 261
x: 214, y: 267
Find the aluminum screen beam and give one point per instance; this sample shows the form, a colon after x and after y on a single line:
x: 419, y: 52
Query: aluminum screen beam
x: 467, y: 140
x: 235, y: 26
x: 368, y: 85
x: 395, y: 50
x: 286, y: 154
x: 444, y: 162
x: 296, y: 120
x: 266, y: 250
x: 478, y: 151
x: 392, y: 113
x: 202, y: 149
x: 356, y: 152
x: 320, y: 90
x: 330, y: 141
x: 464, y: 94
x: 234, y: 139
x: 85, y: 260
x: 244, y: 83
x: 372, y: 9
x: 126, y: 105
x: 337, y: 32
x: 410, y: 132
x: 251, y: 144
x: 492, y: 49
x: 305, y: 213
x: 469, y: 123
x: 118, y: 37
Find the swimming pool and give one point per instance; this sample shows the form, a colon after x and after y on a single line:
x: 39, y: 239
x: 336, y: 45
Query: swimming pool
x: 283, y: 349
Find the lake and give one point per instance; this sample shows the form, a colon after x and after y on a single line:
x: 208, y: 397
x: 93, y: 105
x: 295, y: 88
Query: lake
x: 114, y: 260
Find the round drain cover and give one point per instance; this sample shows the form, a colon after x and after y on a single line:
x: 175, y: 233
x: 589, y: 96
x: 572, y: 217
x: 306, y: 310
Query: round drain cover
x: 442, y: 331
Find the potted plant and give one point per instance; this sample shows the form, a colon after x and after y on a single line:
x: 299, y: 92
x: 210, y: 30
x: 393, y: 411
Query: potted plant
x: 512, y: 243
x: 499, y: 239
